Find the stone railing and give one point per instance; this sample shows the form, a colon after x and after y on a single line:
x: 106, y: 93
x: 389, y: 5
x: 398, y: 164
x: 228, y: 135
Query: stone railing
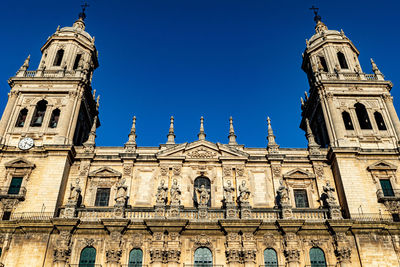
x: 85, y: 265
x: 348, y: 76
x: 95, y: 213
x: 202, y: 265
x: 50, y: 73
x: 310, y: 214
x: 31, y: 216
x: 372, y: 217
x: 7, y: 192
x: 265, y: 214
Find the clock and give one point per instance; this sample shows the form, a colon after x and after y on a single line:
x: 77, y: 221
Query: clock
x: 25, y: 143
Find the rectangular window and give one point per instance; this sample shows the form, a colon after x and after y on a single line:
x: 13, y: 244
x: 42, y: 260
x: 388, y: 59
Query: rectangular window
x: 15, y: 186
x: 387, y: 188
x: 6, y: 216
x: 102, y: 197
x: 300, y: 197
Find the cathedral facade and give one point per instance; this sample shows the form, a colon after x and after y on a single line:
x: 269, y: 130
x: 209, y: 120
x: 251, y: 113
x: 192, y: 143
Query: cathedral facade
x: 67, y: 202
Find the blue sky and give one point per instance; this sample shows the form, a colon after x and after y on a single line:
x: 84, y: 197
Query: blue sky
x: 192, y: 58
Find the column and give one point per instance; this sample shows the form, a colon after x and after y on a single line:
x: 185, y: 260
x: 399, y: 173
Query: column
x: 66, y: 116
x: 392, y: 113
x: 338, y: 125
x: 12, y: 98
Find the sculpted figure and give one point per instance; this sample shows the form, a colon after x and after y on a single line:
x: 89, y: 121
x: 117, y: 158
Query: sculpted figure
x: 203, y: 195
x: 244, y: 192
x: 328, y: 190
x: 175, y: 193
x: 75, y: 192
x: 121, y: 193
x: 283, y: 194
x: 161, y: 193
x: 228, y: 191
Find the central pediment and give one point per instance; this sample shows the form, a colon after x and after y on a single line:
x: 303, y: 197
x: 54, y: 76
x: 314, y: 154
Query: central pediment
x: 202, y: 150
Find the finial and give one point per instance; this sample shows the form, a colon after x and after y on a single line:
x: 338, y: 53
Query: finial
x: 82, y: 15
x: 273, y: 147
x: 320, y: 27
x: 202, y: 135
x: 26, y: 62
x: 130, y: 146
x: 58, y: 28
x: 312, y: 145
x: 375, y: 68
x: 232, y: 136
x: 94, y: 94
x: 306, y: 95
x: 317, y: 17
x: 302, y: 101
x: 171, y: 133
x: 90, y: 143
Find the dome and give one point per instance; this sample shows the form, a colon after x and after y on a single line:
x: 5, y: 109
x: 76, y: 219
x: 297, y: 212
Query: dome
x: 323, y: 34
x: 78, y: 27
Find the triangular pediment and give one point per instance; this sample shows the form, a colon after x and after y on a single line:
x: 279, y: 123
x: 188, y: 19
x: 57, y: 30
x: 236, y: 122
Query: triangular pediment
x: 202, y: 150
x: 19, y: 163
x: 298, y: 174
x: 105, y: 172
x: 382, y: 165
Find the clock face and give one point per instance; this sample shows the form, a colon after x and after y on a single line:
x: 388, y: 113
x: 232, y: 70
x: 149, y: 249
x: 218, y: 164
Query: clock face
x: 25, y: 143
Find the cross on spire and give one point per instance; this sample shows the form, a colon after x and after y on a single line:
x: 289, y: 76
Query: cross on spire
x: 82, y: 14
x: 316, y: 16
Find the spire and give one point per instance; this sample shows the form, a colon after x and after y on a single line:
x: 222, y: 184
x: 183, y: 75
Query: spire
x: 232, y: 136
x: 90, y: 143
x: 377, y: 72
x: 24, y: 67
x: 82, y: 15
x: 312, y: 145
x: 202, y: 135
x: 272, y: 145
x: 80, y: 22
x: 320, y: 26
x: 171, y: 133
x: 130, y: 146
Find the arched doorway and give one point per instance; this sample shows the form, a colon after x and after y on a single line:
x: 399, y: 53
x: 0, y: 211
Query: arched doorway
x: 135, y: 258
x: 203, y: 257
x: 270, y: 258
x: 317, y: 257
x: 88, y: 257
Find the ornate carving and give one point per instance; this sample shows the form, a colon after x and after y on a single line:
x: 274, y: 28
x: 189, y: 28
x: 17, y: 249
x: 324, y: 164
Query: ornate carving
x: 113, y: 255
x: 240, y: 171
x: 233, y: 255
x: 161, y: 193
x: 328, y: 195
x: 228, y: 192
x: 227, y: 171
x: 283, y: 195
x: 62, y: 250
x: 244, y: 193
x: 75, y: 194
x: 393, y: 206
x: 175, y: 193
x: 121, y: 197
x: 173, y: 255
x: 269, y: 241
x: 249, y: 255
x: 276, y: 170
x: 164, y: 170
x: 127, y: 170
x: 203, y: 195
x: 202, y: 153
x: 202, y: 240
x: 176, y: 170
x: 157, y: 255
x: 89, y: 242
x: 292, y: 255
x: 319, y: 171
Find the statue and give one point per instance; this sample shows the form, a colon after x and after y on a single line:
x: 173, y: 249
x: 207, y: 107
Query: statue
x: 203, y: 195
x: 120, y: 199
x: 328, y: 194
x: 75, y: 193
x: 161, y: 193
x: 244, y: 193
x: 228, y: 192
x: 175, y: 193
x: 283, y: 194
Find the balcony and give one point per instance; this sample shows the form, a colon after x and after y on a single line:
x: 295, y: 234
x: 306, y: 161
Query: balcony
x: 310, y: 214
x: 388, y: 194
x: 84, y: 265
x: 134, y: 265
x: 12, y: 193
x: 32, y: 216
x: 202, y: 265
x: 372, y: 217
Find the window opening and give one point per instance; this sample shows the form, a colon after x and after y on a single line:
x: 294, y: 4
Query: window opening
x: 342, y: 60
x: 317, y: 257
x: 76, y: 63
x: 59, y: 57
x: 135, y: 258
x: 40, y: 110
x: 270, y: 258
x: 348, y: 124
x: 387, y: 188
x: 362, y: 116
x: 55, y: 115
x: 15, y: 186
x: 379, y: 121
x: 323, y: 63
x: 203, y: 257
x: 21, y: 118
x: 300, y: 197
x: 102, y: 197
x: 6, y: 216
x: 88, y: 257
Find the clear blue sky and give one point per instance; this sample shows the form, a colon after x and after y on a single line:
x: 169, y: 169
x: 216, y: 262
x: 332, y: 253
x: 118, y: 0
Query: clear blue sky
x: 192, y: 58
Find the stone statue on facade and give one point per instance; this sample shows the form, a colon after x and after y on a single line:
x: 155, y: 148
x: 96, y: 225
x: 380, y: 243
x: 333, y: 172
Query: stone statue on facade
x: 121, y: 197
x: 244, y: 193
x: 328, y: 195
x: 75, y: 193
x: 161, y: 193
x: 175, y: 193
x: 228, y: 192
x: 283, y: 194
x: 203, y: 195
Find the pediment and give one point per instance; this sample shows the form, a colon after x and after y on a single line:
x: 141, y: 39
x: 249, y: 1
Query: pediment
x: 203, y: 150
x: 105, y: 172
x: 299, y: 174
x: 382, y: 165
x: 19, y: 163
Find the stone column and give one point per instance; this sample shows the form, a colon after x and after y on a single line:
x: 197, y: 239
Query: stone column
x: 62, y: 242
x: 173, y: 251
x: 393, y: 115
x: 292, y: 251
x: 12, y: 98
x: 233, y: 249
x: 342, y: 249
x: 338, y: 125
x: 157, y: 251
x: 249, y: 249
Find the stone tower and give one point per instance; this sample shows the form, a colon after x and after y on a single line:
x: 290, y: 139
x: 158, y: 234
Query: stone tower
x: 54, y: 105
x: 352, y: 113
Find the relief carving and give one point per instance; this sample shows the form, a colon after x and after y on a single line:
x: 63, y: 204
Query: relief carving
x: 202, y: 153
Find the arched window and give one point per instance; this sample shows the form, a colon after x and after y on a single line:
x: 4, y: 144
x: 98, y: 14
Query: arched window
x: 198, y: 183
x: 88, y: 257
x: 55, y: 115
x: 362, y: 116
x: 203, y: 257
x: 317, y: 257
x: 38, y: 116
x: 76, y: 62
x: 21, y: 118
x: 270, y: 258
x: 342, y: 60
x: 348, y: 124
x: 59, y: 57
x: 135, y: 258
x: 379, y: 121
x: 323, y: 64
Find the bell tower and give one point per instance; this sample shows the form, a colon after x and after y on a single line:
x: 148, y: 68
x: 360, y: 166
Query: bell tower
x: 54, y: 105
x: 345, y: 106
